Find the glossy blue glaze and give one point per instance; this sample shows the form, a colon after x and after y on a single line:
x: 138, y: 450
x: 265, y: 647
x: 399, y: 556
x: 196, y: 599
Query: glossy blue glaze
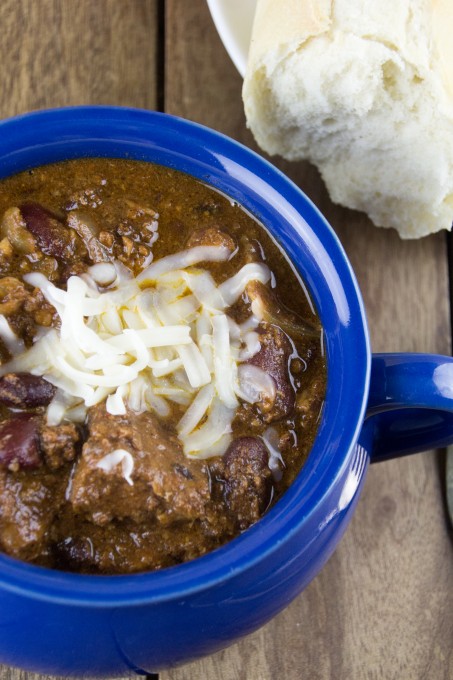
x: 68, y: 624
x: 410, y: 403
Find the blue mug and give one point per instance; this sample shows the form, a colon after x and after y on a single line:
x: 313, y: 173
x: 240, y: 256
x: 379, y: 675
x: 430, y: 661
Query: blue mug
x: 376, y: 407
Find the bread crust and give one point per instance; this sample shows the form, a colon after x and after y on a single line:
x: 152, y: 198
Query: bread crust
x: 364, y: 90
x: 280, y: 25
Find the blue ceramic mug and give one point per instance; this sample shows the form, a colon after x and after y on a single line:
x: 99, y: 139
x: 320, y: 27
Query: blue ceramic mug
x: 376, y: 407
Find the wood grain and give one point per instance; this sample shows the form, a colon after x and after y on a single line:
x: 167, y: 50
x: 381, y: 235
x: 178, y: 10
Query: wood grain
x: 70, y: 52
x: 383, y: 606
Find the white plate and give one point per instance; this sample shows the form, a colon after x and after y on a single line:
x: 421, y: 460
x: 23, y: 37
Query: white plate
x: 233, y: 20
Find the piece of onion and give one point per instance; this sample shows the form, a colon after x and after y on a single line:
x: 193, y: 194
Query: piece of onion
x: 254, y: 384
x: 252, y: 345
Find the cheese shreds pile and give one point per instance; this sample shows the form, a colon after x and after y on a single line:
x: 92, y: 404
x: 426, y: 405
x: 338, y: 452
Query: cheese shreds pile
x: 142, y: 343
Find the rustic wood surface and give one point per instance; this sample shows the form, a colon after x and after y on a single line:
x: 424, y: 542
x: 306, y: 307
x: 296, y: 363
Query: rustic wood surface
x: 382, y: 608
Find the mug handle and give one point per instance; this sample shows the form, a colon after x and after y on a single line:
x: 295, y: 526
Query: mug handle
x: 410, y: 404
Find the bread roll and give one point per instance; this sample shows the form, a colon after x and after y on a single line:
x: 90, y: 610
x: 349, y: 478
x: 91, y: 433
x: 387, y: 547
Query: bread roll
x: 363, y: 89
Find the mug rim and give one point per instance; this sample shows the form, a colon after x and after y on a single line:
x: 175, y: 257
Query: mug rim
x: 19, y: 140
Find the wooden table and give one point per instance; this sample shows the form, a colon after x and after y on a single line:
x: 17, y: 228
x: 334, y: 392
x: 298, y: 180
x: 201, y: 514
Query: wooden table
x: 382, y: 608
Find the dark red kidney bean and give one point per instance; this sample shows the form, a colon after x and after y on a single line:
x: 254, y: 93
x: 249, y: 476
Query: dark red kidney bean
x: 273, y: 358
x: 246, y: 453
x: 51, y: 234
x: 248, y: 480
x: 24, y: 390
x: 19, y: 442
x: 75, y: 554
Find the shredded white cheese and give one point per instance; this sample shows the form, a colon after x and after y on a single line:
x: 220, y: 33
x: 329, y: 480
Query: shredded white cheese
x: 111, y: 460
x: 13, y: 344
x: 142, y: 343
x: 271, y: 440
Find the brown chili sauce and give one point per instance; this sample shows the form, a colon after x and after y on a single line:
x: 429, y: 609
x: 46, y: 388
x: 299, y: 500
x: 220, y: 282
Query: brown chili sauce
x: 58, y: 508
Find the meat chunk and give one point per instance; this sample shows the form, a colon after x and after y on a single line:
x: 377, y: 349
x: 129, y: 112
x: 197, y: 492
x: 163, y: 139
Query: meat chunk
x: 248, y: 480
x: 267, y: 307
x: 89, y: 232
x: 19, y: 442
x: 211, y: 236
x: 13, y: 295
x: 52, y: 236
x: 24, y: 308
x: 28, y: 505
x: 137, y: 547
x: 165, y: 486
x: 31, y: 495
x: 24, y: 390
x: 59, y: 443
x: 273, y: 358
x: 41, y: 311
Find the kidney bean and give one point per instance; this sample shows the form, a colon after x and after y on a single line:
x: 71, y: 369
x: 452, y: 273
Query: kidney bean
x: 273, y: 359
x: 248, y: 480
x: 19, y: 442
x: 51, y: 234
x: 24, y: 390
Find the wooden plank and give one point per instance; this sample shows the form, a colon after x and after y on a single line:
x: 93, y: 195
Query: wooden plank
x: 383, y: 605
x: 69, y: 52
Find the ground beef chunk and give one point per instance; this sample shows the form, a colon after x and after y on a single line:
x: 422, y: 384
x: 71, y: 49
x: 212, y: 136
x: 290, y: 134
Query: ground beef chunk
x: 126, y: 546
x: 211, y: 236
x: 89, y: 232
x: 310, y: 401
x: 166, y: 486
x: 24, y: 308
x: 12, y: 295
x: 248, y: 480
x: 273, y: 358
x: 59, y: 443
x: 30, y: 502
x: 41, y: 312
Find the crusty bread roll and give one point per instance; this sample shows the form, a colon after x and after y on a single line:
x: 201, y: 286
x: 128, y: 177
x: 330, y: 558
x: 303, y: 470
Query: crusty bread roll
x: 363, y: 89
